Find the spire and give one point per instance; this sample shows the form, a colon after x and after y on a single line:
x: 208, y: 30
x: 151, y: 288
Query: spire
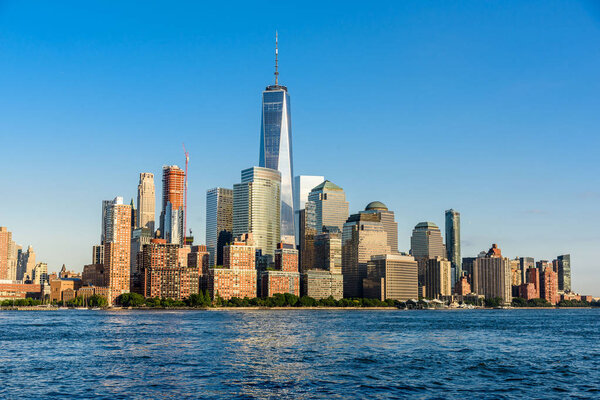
x: 276, y: 54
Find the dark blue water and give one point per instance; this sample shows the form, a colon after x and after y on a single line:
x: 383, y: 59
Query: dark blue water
x: 510, y: 354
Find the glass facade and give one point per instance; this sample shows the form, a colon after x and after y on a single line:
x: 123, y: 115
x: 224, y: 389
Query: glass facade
x: 453, y: 242
x: 276, y: 151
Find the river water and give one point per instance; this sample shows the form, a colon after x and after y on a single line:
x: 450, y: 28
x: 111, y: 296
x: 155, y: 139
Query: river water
x: 300, y: 354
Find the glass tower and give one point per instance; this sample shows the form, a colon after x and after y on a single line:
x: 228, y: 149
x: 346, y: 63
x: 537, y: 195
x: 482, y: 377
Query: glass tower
x: 276, y: 148
x: 453, y: 242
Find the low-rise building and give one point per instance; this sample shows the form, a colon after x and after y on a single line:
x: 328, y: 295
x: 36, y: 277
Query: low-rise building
x: 10, y: 290
x: 58, y: 287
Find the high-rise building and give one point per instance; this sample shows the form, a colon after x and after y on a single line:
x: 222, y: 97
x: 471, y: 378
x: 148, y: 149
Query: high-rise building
x: 549, y: 285
x: 326, y: 207
x: 139, y: 238
x: 386, y: 217
x: 391, y: 276
x: 172, y: 215
x: 106, y: 205
x: 322, y: 284
x: 303, y: 184
x: 363, y: 236
x: 219, y: 222
x: 515, y: 272
x: 438, y: 278
x: 328, y: 250
x: 276, y: 149
x: 426, y: 242
x: 164, y: 277
x: 492, y: 277
x: 40, y: 274
x: 524, y: 264
x: 256, y: 208
x: 5, y: 240
x: 98, y: 254
x: 134, y: 216
x: 533, y: 277
x: 26, y: 264
x: 284, y: 277
x: 453, y: 242
x: 564, y: 273
x: 146, y: 202
x: 117, y: 248
x: 237, y: 277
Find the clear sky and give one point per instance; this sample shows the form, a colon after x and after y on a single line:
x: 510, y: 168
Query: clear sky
x: 490, y: 108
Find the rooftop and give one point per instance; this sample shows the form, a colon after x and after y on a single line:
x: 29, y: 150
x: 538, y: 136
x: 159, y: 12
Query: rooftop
x: 326, y: 185
x: 376, y: 205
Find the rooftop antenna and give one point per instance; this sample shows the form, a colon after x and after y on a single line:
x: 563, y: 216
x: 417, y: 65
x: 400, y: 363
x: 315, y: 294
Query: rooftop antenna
x: 187, y: 159
x: 276, y: 53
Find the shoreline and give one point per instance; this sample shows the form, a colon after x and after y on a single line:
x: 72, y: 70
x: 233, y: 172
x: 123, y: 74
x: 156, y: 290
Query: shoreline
x: 257, y: 308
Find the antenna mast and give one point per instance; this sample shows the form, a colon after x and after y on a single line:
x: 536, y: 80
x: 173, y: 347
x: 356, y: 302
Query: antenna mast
x: 187, y: 159
x: 276, y: 54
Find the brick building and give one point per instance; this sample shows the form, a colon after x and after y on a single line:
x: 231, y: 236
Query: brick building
x: 237, y: 277
x: 285, y: 277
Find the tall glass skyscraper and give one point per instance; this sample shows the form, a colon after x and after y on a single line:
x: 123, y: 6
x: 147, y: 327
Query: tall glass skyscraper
x: 276, y: 148
x: 453, y: 242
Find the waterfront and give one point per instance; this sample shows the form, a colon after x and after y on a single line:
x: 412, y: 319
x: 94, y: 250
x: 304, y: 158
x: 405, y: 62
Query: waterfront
x: 300, y: 354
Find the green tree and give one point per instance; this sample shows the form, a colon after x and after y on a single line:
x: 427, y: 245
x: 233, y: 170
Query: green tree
x: 97, y: 301
x: 519, y: 302
x: 131, y: 300
x: 494, y: 302
x: 307, y: 301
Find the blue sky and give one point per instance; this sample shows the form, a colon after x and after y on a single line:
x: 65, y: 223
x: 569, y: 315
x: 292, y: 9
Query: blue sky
x: 490, y: 108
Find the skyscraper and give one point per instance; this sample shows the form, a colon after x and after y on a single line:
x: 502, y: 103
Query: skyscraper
x: 386, y: 217
x: 363, y: 236
x: 524, y: 264
x: 303, y: 184
x: 117, y: 250
x: 26, y: 265
x: 438, y: 278
x: 106, y: 204
x: 5, y: 240
x: 276, y: 148
x: 146, y: 202
x: 219, y: 222
x: 326, y: 206
x: 256, y: 205
x: 453, y: 242
x: 171, y: 217
x: 491, y: 275
x: 564, y: 272
x: 425, y: 243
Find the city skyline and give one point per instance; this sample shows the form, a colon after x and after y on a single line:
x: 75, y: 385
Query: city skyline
x: 523, y: 228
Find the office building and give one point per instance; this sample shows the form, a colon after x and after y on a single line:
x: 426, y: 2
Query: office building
x: 117, y: 248
x: 515, y: 272
x: 438, y: 278
x: 524, y: 264
x: 303, y: 184
x: 426, y: 242
x: 386, y: 217
x: 237, y: 277
x: 276, y: 150
x: 256, y: 208
x: 564, y: 273
x: 453, y: 242
x: 328, y: 250
x: 40, y: 274
x: 219, y: 222
x: 106, y: 205
x: 146, y: 201
x: 363, y: 236
x: 172, y: 215
x: 391, y: 276
x: 321, y: 284
x: 491, y: 275
x: 326, y: 206
x: 98, y: 254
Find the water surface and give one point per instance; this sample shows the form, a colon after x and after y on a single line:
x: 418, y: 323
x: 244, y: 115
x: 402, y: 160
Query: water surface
x: 510, y: 354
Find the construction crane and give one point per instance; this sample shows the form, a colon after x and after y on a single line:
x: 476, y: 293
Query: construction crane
x: 187, y: 159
